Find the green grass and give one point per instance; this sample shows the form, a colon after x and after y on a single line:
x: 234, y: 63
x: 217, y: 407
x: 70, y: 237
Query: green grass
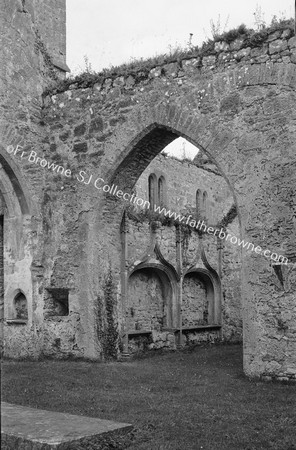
x: 180, y: 400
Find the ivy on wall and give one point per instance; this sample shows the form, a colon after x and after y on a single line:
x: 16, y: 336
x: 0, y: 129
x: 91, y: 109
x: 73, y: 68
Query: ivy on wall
x: 107, y: 328
x: 40, y: 47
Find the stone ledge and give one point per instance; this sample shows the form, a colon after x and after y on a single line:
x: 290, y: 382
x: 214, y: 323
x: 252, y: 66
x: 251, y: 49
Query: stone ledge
x: 138, y: 332
x: 193, y: 328
x: 60, y: 65
x: 16, y: 321
x: 36, y: 429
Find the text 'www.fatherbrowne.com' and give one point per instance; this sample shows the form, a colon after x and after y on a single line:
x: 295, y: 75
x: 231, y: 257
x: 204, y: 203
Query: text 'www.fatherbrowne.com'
x: 132, y: 198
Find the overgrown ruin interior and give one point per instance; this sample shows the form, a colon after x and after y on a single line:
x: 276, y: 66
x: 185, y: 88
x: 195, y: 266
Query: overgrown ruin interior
x: 87, y: 273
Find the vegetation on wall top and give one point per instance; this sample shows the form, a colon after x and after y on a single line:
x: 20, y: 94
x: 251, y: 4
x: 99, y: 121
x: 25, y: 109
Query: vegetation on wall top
x: 140, y: 68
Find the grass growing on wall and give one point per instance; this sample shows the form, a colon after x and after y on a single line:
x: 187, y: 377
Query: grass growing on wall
x: 140, y: 68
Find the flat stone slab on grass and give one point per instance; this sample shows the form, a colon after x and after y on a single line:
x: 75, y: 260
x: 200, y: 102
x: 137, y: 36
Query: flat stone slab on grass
x: 34, y: 429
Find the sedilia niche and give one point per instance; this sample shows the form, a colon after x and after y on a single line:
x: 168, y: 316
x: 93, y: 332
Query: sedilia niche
x: 19, y: 310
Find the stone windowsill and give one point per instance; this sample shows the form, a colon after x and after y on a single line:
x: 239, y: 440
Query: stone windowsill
x: 176, y: 330
x: 16, y: 321
x: 138, y: 332
x: 194, y: 328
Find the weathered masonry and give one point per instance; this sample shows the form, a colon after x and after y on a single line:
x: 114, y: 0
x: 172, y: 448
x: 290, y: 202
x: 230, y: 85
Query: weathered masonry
x: 179, y: 283
x: 74, y: 260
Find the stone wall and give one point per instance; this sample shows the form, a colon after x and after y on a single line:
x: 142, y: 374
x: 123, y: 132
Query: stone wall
x: 50, y: 19
x: 183, y: 179
x: 27, y: 67
x: 197, y: 302
x: 236, y: 102
x: 146, y: 301
x: 233, y: 104
x: 194, y: 302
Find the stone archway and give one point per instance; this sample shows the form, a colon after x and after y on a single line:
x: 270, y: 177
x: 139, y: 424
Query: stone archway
x: 150, y: 309
x: 142, y: 151
x: 149, y: 299
x: 12, y: 186
x: 16, y: 279
x: 241, y: 112
x: 201, y: 299
x: 149, y: 142
x: 137, y: 156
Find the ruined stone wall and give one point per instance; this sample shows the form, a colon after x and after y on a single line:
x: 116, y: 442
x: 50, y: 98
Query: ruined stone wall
x: 232, y: 304
x: 194, y: 302
x: 50, y: 19
x: 183, y: 179
x: 26, y: 68
x: 26, y: 60
x: 237, y: 103
x: 141, y: 237
x: 146, y: 301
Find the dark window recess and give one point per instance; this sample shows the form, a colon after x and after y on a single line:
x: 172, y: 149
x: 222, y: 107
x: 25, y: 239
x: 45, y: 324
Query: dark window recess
x: 152, y: 188
x: 56, y: 302
x: 198, y: 203
x: 20, y: 306
x: 161, y: 191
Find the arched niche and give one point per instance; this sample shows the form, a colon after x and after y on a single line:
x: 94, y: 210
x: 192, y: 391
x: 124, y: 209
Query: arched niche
x: 152, y: 298
x: 162, y: 191
x: 152, y: 190
x: 17, y: 308
x: 201, y: 299
x: 16, y: 227
x: 198, y: 202
x: 20, y: 306
x: 17, y: 196
x: 205, y: 204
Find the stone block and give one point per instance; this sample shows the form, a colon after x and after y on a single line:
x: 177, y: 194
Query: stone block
x: 286, y: 33
x: 209, y: 60
x: 80, y: 130
x: 155, y: 73
x: 171, y: 70
x: 237, y: 44
x: 243, y: 53
x: 80, y: 147
x: 221, y: 46
x: 274, y: 36
x: 34, y: 429
x: 129, y: 82
x: 277, y: 46
x: 119, y: 81
x: 292, y: 42
x: 190, y: 65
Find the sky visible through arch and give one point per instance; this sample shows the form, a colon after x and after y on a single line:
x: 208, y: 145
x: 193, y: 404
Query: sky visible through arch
x: 113, y: 32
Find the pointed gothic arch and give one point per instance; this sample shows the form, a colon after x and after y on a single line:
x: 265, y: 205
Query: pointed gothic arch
x: 15, y: 220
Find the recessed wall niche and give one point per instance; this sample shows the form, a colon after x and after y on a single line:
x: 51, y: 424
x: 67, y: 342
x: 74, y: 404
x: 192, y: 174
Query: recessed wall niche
x: 20, y: 307
x: 56, y: 302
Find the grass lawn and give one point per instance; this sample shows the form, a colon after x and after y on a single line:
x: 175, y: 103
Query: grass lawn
x: 197, y: 399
